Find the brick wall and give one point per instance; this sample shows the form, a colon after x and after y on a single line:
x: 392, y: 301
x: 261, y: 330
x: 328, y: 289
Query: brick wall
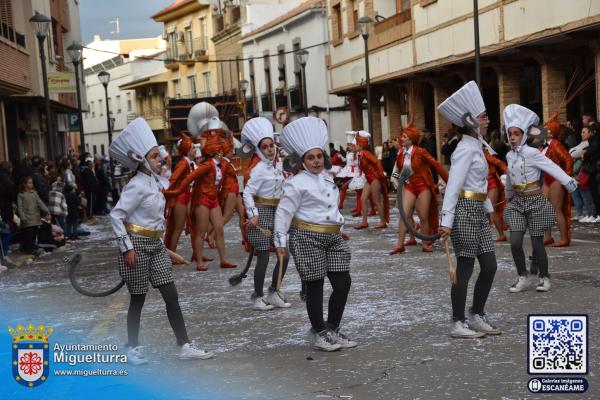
x: 356, y: 112
x: 376, y: 115
x: 508, y: 87
x: 553, y: 90
x: 394, y: 111
x: 15, y: 72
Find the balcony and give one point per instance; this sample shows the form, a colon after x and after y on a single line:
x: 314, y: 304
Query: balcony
x: 391, y: 29
x: 296, y: 98
x: 200, y: 48
x: 171, y: 61
x: 266, y: 102
x: 281, y: 99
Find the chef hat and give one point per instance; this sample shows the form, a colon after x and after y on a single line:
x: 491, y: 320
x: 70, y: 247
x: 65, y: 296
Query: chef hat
x: 214, y: 123
x: 133, y: 143
x: 350, y: 136
x: 466, y: 101
x: 164, y: 154
x: 520, y: 117
x: 198, y: 117
x: 362, y: 139
x: 304, y: 134
x: 257, y: 129
x: 184, y: 145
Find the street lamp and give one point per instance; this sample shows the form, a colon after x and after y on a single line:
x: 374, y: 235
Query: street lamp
x: 75, y: 50
x: 365, y: 24
x: 104, y: 78
x: 302, y: 57
x: 41, y: 23
x: 244, y: 86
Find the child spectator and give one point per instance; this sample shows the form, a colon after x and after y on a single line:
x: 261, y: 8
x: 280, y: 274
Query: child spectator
x: 73, y: 203
x: 30, y: 208
x: 58, y: 203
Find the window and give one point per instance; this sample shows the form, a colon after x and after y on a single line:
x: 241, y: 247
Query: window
x: 93, y: 110
x: 206, y: 77
x: 353, y: 16
x: 172, y: 45
x: 267, y: 67
x: 336, y: 22
x: 95, y: 149
x: 203, y: 35
x: 129, y: 102
x: 7, y: 28
x: 192, y: 85
x: 281, y: 67
x: 118, y: 104
x: 177, y: 88
x: 100, y: 110
x: 102, y: 149
x: 189, y: 40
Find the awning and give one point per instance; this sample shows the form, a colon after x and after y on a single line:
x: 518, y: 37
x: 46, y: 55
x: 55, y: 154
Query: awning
x: 55, y: 106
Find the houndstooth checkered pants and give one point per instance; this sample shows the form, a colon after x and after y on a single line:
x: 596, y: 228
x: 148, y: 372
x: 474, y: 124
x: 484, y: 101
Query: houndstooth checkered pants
x: 152, y: 264
x: 533, y: 213
x: 315, y: 254
x: 471, y: 233
x: 266, y: 219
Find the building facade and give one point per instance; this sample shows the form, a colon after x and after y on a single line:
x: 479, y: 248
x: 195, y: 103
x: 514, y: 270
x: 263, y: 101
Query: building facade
x: 530, y: 50
x: 23, y: 127
x: 124, y: 64
x: 275, y: 75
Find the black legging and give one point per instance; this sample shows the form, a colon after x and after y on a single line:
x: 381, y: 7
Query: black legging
x: 540, y: 257
x: 340, y: 282
x: 458, y: 293
x: 169, y: 294
x: 262, y: 261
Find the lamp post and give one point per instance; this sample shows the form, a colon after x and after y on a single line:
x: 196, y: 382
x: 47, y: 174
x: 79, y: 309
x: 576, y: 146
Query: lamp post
x: 104, y: 78
x: 477, y: 50
x: 302, y: 57
x: 41, y: 23
x: 244, y: 86
x: 365, y: 26
x: 75, y: 50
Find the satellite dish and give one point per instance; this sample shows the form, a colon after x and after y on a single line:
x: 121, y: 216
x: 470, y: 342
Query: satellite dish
x: 357, y: 74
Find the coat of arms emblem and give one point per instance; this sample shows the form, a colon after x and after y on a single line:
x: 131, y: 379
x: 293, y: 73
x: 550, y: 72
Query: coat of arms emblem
x: 30, y: 354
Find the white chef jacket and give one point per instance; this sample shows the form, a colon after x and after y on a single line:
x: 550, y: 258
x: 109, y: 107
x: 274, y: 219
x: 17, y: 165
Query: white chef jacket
x: 468, y: 171
x: 265, y: 181
x: 526, y: 166
x: 141, y: 203
x: 308, y: 197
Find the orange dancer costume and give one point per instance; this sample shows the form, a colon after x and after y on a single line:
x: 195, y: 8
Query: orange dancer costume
x: 231, y: 190
x: 420, y: 181
x: 208, y: 180
x: 373, y: 170
x: 496, y: 168
x: 556, y: 193
x: 182, y: 169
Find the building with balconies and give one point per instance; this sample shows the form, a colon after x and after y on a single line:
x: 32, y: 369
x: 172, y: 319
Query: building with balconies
x: 23, y: 120
x: 530, y: 50
x: 274, y: 74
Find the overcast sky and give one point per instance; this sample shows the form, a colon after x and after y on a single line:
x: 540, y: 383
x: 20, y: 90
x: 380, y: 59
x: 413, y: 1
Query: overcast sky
x: 134, y: 18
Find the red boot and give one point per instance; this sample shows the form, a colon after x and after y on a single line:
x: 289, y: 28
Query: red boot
x: 342, y: 197
x: 397, y: 250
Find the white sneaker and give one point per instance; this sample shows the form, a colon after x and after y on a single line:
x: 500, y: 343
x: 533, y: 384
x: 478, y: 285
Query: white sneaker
x: 480, y: 323
x: 520, y: 285
x: 460, y: 330
x: 343, y: 340
x: 189, y: 351
x: 544, y: 285
x: 576, y: 218
x: 596, y: 220
x: 275, y: 298
x: 584, y: 219
x: 324, y: 340
x: 261, y: 305
x: 135, y: 356
x: 3, y: 268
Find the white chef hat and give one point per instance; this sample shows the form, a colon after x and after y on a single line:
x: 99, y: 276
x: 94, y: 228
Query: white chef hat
x: 304, y: 134
x: 465, y: 101
x: 133, y: 143
x: 350, y: 136
x: 257, y: 129
x: 213, y: 123
x: 516, y: 115
x: 198, y: 117
x: 163, y: 152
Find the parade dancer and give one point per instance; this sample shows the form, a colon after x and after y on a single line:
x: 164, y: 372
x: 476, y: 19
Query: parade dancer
x: 229, y: 196
x: 553, y: 190
x: 528, y: 209
x: 178, y: 207
x: 205, y: 209
x: 308, y: 210
x: 496, y: 194
x: 261, y: 197
x: 376, y: 184
x: 420, y: 189
x: 464, y: 212
x: 138, y: 222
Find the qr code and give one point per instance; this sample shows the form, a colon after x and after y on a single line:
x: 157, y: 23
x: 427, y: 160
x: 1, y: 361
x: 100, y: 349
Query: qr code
x: 557, y: 344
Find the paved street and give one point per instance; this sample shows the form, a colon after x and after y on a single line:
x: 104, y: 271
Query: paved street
x: 398, y: 311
